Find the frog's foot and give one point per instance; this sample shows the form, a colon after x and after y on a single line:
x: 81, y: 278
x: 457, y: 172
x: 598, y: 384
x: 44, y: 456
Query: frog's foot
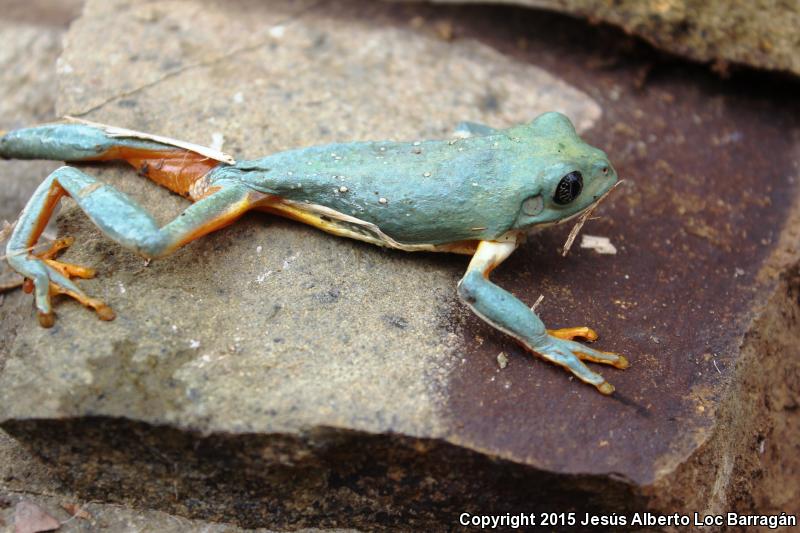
x: 47, y: 277
x: 571, y: 355
x: 580, y: 332
x: 70, y: 270
x: 55, y: 248
x: 66, y: 269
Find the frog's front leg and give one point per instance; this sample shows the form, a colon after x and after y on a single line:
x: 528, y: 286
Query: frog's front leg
x: 121, y: 219
x: 503, y: 311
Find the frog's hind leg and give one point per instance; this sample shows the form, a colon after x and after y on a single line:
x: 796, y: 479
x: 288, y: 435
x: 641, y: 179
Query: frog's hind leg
x: 120, y: 218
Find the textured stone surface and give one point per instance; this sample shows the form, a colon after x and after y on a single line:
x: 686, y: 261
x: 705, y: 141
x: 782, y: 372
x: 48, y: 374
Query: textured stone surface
x: 761, y: 34
x: 31, y: 40
x: 76, y: 517
x: 28, y: 79
x: 356, y: 391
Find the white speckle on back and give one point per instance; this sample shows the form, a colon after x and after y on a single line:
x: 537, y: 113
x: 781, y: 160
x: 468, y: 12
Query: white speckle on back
x: 382, y: 200
x: 238, y: 98
x: 277, y: 31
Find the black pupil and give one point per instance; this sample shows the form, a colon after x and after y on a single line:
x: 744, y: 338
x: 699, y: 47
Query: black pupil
x: 568, y: 188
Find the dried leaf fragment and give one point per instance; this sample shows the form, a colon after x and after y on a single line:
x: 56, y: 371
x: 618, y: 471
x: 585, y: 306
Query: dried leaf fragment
x: 601, y: 245
x: 76, y: 511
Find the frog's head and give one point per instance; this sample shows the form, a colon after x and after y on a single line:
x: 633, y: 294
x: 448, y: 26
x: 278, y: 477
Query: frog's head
x: 568, y: 175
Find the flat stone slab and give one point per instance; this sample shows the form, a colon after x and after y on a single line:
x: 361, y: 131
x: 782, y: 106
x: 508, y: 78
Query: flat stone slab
x: 757, y: 34
x: 275, y: 376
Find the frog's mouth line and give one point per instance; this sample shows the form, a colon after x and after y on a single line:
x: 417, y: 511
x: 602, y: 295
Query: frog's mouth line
x: 583, y: 216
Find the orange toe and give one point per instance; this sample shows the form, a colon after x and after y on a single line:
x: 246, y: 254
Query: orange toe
x: 571, y: 333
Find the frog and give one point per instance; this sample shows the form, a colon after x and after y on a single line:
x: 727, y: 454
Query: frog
x: 479, y: 193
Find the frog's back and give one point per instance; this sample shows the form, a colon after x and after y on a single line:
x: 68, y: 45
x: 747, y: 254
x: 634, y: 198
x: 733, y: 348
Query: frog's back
x: 429, y: 192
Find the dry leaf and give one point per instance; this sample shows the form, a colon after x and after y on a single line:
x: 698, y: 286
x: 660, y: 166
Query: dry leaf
x: 5, y: 231
x: 76, y: 510
x: 601, y: 245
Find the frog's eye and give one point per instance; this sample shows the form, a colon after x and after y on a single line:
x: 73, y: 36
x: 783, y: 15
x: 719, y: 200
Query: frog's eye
x: 568, y: 188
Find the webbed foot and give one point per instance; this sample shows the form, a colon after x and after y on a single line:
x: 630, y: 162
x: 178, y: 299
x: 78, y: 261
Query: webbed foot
x: 570, y: 354
x: 45, y: 276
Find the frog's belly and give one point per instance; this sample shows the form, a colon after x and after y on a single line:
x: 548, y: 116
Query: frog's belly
x: 343, y: 225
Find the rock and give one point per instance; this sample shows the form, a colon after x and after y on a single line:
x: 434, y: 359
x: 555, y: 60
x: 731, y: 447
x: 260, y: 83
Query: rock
x: 759, y: 34
x: 30, y: 518
x: 28, y: 82
x: 274, y: 376
x: 93, y: 516
x: 27, y: 76
x: 31, y: 35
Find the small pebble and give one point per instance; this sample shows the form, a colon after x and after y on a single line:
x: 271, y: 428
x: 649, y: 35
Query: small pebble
x: 502, y: 360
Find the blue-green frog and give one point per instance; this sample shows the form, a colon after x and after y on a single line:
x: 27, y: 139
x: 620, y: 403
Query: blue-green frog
x: 479, y: 193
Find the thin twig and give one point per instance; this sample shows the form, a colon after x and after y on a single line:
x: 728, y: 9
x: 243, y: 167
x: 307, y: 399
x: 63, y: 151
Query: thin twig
x: 582, y: 220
